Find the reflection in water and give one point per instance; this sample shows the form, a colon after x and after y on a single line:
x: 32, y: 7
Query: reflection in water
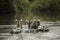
x: 53, y: 34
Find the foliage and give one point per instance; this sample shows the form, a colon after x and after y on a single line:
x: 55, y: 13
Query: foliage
x: 45, y: 9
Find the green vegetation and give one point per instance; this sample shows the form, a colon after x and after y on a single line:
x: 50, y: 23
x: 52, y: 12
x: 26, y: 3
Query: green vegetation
x: 43, y: 9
